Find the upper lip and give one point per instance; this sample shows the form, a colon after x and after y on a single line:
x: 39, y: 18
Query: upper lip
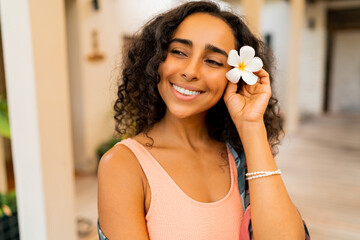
x: 190, y: 88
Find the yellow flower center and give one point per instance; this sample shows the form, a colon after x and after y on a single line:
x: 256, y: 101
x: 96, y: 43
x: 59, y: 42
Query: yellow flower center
x: 241, y: 66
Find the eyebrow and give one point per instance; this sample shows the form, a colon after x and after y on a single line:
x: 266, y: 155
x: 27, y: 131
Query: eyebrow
x: 209, y: 47
x: 181, y: 40
x: 215, y: 49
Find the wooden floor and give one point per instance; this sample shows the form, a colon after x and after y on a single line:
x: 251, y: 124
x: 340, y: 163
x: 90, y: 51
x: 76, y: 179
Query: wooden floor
x: 321, y: 169
x: 86, y: 205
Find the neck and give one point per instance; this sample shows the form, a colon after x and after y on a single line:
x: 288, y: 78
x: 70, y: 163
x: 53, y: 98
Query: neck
x: 190, y: 131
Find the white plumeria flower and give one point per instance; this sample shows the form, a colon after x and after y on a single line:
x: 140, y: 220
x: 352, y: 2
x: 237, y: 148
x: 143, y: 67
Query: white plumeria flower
x: 244, y: 65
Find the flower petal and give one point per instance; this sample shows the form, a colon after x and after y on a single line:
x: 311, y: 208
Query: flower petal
x: 233, y: 58
x: 233, y: 75
x: 247, y: 53
x: 249, y: 77
x: 254, y: 65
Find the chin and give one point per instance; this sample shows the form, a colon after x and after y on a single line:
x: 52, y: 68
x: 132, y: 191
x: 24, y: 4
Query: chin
x: 182, y: 113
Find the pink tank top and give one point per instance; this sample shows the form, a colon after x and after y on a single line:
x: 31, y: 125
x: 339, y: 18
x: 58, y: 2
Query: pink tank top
x: 173, y: 215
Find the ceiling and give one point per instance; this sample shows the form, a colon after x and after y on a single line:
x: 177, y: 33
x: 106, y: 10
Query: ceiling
x: 309, y: 1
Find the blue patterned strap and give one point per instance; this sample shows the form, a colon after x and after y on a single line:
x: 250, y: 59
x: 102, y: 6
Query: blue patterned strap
x: 101, y: 235
x: 240, y: 163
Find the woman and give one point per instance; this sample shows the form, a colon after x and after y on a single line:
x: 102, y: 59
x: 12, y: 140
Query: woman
x: 177, y: 177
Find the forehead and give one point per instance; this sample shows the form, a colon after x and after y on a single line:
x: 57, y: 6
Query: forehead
x: 202, y: 29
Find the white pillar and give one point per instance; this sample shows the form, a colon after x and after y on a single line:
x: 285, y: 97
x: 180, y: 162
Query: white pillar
x: 296, y: 26
x: 33, y: 33
x: 252, y: 12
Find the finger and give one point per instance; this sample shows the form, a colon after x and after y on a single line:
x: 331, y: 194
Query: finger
x: 264, y: 77
x: 261, y: 73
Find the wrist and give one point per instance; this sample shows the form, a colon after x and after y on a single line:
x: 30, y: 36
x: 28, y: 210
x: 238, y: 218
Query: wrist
x: 251, y: 131
x: 247, y: 126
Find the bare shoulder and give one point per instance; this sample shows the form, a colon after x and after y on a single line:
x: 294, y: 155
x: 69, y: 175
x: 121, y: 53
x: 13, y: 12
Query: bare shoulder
x: 118, y: 156
x: 119, y: 163
x: 121, y: 195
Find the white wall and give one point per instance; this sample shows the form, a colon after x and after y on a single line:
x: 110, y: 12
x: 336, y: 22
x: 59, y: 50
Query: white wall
x: 131, y: 15
x: 91, y: 82
x: 275, y: 21
x: 96, y: 76
x: 312, y: 65
x: 313, y: 61
x: 345, y: 72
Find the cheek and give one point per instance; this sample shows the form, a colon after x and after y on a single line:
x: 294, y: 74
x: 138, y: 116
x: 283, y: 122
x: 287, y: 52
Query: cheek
x: 218, y: 82
x: 166, y: 73
x: 167, y: 68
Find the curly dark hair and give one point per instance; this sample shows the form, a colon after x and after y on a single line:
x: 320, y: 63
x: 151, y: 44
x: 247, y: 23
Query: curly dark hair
x: 139, y: 105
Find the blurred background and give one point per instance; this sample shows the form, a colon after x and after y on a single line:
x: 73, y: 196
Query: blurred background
x: 59, y: 66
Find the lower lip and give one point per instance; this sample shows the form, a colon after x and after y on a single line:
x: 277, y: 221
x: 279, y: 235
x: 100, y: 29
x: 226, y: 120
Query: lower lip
x: 183, y: 97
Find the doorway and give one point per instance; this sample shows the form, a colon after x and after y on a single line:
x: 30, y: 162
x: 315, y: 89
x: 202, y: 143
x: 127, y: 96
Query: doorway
x: 342, y: 83
x: 345, y: 72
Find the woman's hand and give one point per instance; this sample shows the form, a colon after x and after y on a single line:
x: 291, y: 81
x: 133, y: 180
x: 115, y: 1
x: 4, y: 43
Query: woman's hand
x: 248, y: 104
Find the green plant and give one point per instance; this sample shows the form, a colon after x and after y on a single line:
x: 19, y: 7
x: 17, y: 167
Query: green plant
x: 7, y: 201
x: 9, y: 227
x: 4, y: 118
x: 8, y: 204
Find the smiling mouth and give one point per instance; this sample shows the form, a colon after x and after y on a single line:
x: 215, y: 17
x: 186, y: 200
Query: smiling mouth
x: 184, y: 91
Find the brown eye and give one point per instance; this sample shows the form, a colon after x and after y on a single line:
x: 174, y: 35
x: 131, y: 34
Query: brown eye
x: 213, y: 62
x: 177, y: 52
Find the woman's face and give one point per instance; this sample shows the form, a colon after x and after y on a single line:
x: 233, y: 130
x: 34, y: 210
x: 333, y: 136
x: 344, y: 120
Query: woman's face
x: 192, y: 77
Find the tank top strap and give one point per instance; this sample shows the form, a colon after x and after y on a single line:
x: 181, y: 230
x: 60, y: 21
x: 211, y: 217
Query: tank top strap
x: 147, y: 162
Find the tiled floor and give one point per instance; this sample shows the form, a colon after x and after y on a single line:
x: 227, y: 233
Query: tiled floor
x: 321, y: 170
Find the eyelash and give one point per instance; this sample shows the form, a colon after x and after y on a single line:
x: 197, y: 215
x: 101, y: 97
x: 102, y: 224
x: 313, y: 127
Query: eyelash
x: 213, y: 62
x: 177, y: 52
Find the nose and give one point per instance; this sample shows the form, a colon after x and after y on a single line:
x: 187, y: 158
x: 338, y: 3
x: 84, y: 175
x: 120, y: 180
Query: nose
x: 191, y: 69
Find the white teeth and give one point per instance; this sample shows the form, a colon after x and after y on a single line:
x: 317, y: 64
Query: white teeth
x: 185, y: 91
